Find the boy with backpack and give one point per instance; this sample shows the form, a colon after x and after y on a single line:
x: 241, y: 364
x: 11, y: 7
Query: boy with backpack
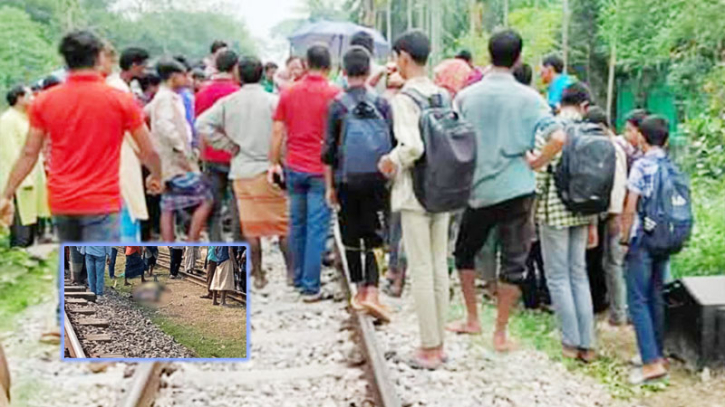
x: 359, y: 133
x: 657, y: 221
x: 425, y: 229
x: 565, y: 232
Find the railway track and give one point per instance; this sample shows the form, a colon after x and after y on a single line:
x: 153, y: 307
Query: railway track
x: 199, y: 278
x: 78, y: 312
x: 302, y: 354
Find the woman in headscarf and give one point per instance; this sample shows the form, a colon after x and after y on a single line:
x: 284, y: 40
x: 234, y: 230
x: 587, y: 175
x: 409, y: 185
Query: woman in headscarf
x: 223, y: 281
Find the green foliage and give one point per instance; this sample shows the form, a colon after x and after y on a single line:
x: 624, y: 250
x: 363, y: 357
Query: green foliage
x: 25, y: 51
x: 539, y: 27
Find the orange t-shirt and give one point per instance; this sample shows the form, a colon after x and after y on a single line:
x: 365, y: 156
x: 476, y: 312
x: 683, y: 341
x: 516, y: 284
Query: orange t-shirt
x: 85, y: 121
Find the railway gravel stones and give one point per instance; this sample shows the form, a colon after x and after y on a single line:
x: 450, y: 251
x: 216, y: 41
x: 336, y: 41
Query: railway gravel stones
x: 132, y: 334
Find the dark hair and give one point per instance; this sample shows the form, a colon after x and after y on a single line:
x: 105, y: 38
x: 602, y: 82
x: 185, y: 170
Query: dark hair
x: 167, y: 67
x: 576, y: 94
x: 149, y: 80
x: 356, y: 62
x: 523, y: 74
x: 635, y: 117
x: 49, y: 82
x: 269, y: 66
x: 15, y: 93
x: 465, y: 55
x: 216, y: 45
x: 80, y: 49
x: 555, y: 62
x: 318, y: 57
x: 198, y: 73
x: 250, y: 70
x: 597, y: 115
x: 183, y: 61
x: 363, y: 39
x: 505, y: 48
x: 226, y: 61
x: 656, y: 130
x: 414, y: 43
x: 131, y: 56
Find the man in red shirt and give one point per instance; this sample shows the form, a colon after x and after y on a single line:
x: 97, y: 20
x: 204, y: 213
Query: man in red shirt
x: 302, y: 115
x: 217, y: 162
x: 85, y: 120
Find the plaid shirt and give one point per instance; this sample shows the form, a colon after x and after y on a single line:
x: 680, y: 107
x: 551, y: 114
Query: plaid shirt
x: 550, y: 210
x: 642, y: 179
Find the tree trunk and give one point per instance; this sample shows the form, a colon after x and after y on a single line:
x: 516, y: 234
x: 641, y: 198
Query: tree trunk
x: 369, y: 17
x: 506, y: 13
x: 610, y: 79
x: 565, y: 35
x: 472, y: 17
x: 410, y: 14
x: 389, y: 21
x: 436, y: 30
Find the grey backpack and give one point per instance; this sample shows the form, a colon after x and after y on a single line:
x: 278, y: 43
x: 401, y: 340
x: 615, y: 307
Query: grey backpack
x: 585, y: 175
x: 443, y: 176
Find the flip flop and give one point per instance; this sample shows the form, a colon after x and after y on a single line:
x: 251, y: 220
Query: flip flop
x: 377, y: 311
x: 355, y: 304
x: 460, y: 327
x: 636, y: 378
x: 418, y: 363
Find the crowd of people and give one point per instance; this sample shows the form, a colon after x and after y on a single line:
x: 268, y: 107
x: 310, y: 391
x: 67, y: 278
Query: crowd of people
x: 224, y: 266
x: 291, y: 147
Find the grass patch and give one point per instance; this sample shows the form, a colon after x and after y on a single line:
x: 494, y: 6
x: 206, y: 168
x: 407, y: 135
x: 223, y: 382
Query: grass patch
x: 195, y: 340
x: 24, y: 281
x: 705, y: 253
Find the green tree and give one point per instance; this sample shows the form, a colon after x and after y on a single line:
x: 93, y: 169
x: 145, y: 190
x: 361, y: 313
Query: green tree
x: 26, y: 54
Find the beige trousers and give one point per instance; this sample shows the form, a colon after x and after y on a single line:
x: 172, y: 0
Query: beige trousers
x: 425, y: 237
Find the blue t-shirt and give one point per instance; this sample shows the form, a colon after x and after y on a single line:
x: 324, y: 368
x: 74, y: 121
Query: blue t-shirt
x: 557, y: 87
x: 221, y: 253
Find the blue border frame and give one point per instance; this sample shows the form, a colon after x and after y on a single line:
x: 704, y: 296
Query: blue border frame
x: 61, y: 284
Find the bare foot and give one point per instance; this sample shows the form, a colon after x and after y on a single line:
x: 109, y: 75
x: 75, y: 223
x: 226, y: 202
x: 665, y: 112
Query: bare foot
x: 501, y: 342
x: 464, y: 327
x: 208, y: 296
x: 215, y: 303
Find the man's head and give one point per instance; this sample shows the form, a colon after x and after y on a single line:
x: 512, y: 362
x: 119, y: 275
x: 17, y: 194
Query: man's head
x: 217, y: 46
x: 551, y: 67
x: 81, y: 50
x: 187, y: 65
x: 226, y: 61
x: 270, y: 69
x: 150, y: 84
x: 108, y: 59
x: 363, y: 39
x: 466, y: 56
x: 198, y: 77
x: 523, y: 74
x: 576, y: 96
x: 173, y: 73
x: 597, y: 115
x: 318, y: 58
x: 505, y: 48
x: 250, y: 70
x: 356, y: 63
x: 633, y: 125
x: 295, y: 67
x: 49, y: 82
x: 412, y: 50
x: 133, y: 61
x: 19, y: 97
x: 655, y: 131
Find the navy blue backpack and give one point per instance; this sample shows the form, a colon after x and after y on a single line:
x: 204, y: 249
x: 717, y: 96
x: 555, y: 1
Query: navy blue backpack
x: 666, y: 215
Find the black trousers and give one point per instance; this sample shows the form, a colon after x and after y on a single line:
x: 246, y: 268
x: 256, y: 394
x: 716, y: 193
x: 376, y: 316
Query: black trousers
x: 361, y: 225
x: 516, y: 231
x: 176, y: 255
x: 21, y: 236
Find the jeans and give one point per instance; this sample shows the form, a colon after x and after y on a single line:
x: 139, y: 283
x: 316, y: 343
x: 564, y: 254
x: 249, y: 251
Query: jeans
x: 218, y: 175
x: 425, y: 237
x: 645, y: 279
x: 614, y: 274
x: 309, y: 224
x: 112, y: 263
x: 96, y: 267
x: 564, y: 252
x: 130, y: 228
x: 88, y: 228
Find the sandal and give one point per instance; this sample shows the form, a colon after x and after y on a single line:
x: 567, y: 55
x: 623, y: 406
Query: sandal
x: 636, y: 378
x: 377, y: 310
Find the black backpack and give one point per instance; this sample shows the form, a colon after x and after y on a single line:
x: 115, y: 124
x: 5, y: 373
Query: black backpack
x: 666, y: 216
x: 443, y: 176
x: 585, y: 175
x: 365, y: 140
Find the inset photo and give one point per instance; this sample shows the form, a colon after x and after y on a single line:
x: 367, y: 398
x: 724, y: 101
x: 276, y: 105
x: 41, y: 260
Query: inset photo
x: 184, y: 301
